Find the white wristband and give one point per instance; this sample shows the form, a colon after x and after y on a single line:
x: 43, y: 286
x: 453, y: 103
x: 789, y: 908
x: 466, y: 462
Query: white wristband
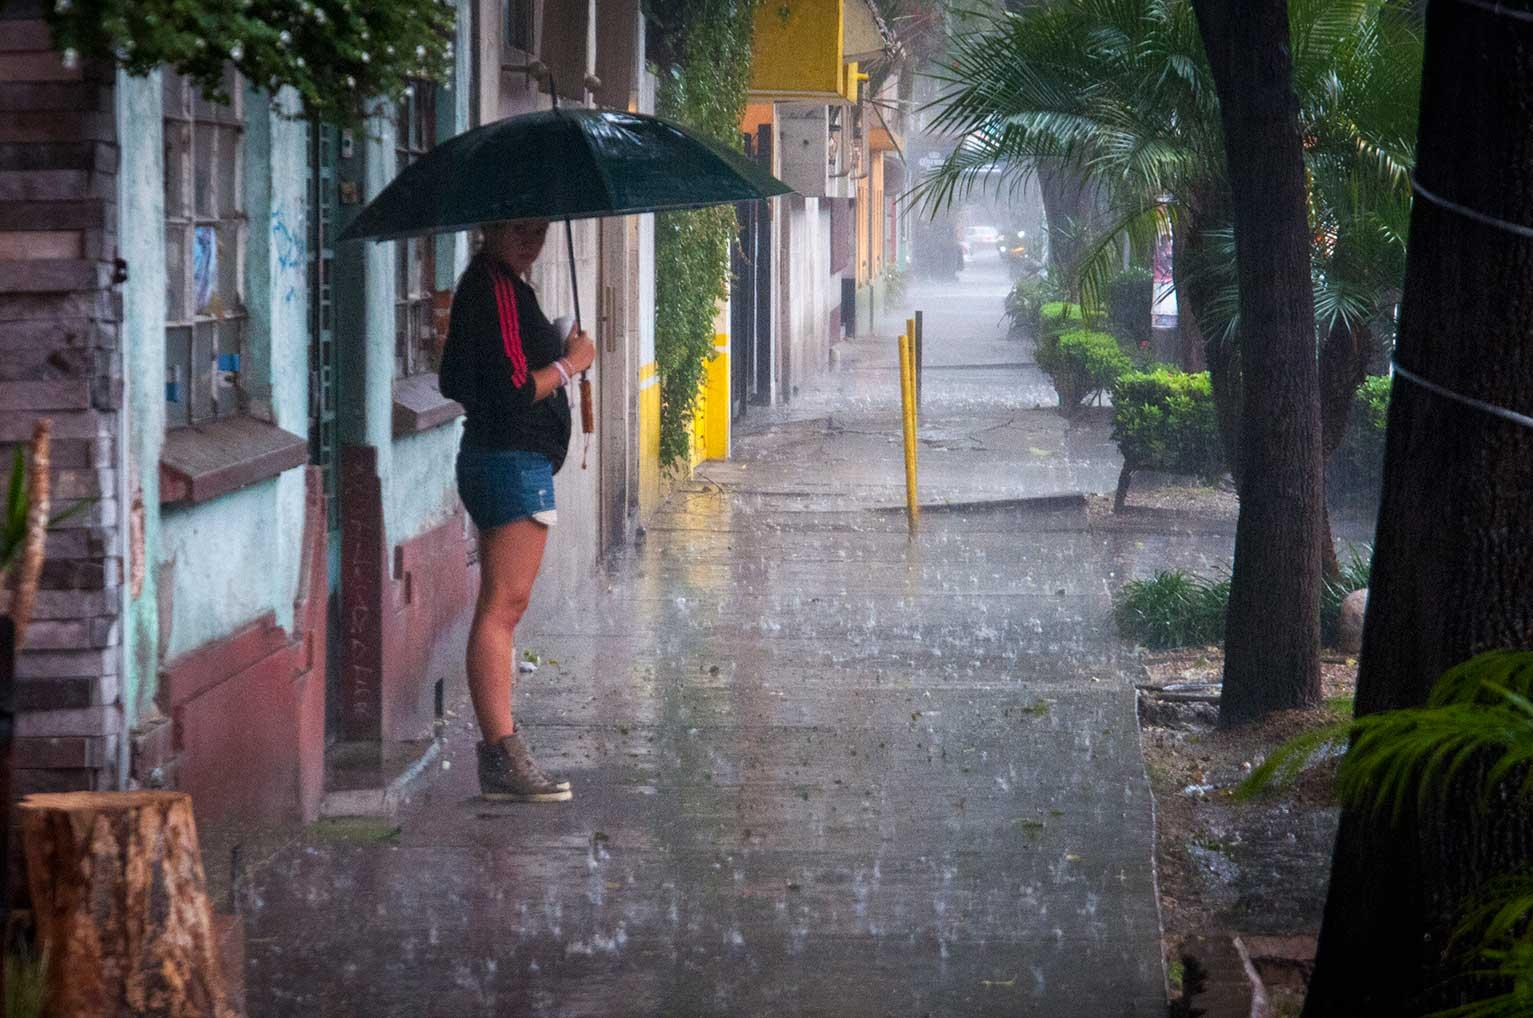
x: 559, y: 367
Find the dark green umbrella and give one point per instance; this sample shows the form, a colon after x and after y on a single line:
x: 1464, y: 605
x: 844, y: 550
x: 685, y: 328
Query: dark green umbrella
x: 560, y: 164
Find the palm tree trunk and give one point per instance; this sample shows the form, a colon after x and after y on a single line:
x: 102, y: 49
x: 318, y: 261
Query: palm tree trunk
x: 1453, y: 562
x: 1067, y: 206
x: 1272, y: 631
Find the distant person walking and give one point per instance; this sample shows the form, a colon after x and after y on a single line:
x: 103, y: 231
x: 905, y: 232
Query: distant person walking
x: 509, y: 367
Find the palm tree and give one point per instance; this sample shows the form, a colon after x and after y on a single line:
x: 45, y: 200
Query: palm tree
x: 1118, y: 94
x: 1121, y: 93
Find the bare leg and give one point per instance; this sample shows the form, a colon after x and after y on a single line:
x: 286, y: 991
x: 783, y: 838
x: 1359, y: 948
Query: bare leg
x: 509, y: 558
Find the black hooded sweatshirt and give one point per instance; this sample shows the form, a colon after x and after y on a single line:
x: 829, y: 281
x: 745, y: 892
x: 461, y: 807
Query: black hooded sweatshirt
x: 496, y: 338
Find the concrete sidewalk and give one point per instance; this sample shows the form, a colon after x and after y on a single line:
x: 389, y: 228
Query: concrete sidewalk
x: 821, y: 768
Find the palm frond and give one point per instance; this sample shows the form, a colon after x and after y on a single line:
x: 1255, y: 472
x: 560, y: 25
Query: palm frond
x: 1406, y: 758
x: 1287, y: 762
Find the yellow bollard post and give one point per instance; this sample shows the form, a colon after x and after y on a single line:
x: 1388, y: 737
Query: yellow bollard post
x: 908, y: 413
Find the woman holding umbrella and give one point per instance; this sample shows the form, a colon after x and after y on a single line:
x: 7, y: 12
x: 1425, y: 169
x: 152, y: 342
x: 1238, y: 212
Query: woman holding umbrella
x: 508, y: 366
x: 503, y: 360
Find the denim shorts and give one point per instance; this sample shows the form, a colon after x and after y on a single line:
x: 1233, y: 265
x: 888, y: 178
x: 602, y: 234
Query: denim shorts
x: 500, y: 486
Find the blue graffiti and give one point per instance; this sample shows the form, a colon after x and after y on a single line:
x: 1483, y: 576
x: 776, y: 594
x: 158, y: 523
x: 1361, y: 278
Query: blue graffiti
x: 288, y: 244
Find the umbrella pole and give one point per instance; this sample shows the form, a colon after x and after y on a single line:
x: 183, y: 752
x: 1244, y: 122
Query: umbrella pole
x: 587, y: 414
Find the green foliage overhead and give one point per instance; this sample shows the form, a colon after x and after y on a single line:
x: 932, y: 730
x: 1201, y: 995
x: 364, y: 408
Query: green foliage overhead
x: 705, y: 90
x: 1121, y: 91
x: 1172, y: 609
x: 1164, y: 419
x: 1082, y: 365
x: 337, y: 54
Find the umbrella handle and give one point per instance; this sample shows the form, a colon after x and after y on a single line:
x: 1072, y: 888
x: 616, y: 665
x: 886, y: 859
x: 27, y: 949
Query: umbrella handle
x: 587, y: 412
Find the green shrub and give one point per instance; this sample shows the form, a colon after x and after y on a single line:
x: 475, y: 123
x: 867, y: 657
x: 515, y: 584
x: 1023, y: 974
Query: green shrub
x: 1025, y: 301
x: 1356, y: 471
x: 1056, y: 317
x: 1172, y: 609
x: 25, y: 984
x: 1356, y: 567
x: 1165, y: 419
x: 1129, y: 296
x: 1081, y: 364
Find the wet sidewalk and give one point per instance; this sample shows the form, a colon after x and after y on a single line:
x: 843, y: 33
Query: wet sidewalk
x: 820, y: 768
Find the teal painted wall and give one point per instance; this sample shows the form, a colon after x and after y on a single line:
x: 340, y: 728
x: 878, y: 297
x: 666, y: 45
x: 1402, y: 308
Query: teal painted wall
x: 141, y: 242
x: 233, y: 558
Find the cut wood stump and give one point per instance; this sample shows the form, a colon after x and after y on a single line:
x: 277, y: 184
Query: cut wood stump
x: 121, y: 905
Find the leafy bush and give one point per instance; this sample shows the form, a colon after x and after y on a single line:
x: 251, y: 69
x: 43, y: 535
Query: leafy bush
x: 1172, y: 609
x: 1129, y: 295
x: 1356, y: 567
x: 1356, y: 470
x: 1056, y: 317
x: 1081, y: 364
x: 1025, y: 301
x: 705, y: 91
x: 1165, y: 419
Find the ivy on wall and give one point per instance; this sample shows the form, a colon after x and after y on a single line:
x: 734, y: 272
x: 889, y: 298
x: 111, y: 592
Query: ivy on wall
x: 337, y: 54
x: 708, y: 46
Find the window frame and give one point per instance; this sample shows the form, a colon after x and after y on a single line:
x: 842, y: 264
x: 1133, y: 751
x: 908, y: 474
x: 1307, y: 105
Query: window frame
x: 416, y: 347
x: 197, y: 131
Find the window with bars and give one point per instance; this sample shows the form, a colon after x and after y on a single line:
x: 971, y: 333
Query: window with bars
x: 204, y: 251
x: 519, y: 24
x: 415, y: 338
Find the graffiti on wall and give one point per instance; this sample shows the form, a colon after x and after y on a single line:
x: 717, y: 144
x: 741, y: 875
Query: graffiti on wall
x: 289, y: 252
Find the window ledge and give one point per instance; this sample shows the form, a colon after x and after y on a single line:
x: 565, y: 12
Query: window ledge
x: 420, y: 406
x: 204, y: 461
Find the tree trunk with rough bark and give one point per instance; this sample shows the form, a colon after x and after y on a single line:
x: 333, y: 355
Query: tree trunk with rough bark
x: 121, y: 910
x: 1272, y: 631
x: 1453, y: 562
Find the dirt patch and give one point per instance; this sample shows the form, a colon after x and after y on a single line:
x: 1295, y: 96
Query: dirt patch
x: 1256, y: 868
x: 1171, y: 500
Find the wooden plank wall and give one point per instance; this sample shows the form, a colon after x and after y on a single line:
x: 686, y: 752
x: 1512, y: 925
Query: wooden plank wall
x: 60, y: 322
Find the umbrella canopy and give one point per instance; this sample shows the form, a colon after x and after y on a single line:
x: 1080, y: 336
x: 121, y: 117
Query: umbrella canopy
x: 560, y: 164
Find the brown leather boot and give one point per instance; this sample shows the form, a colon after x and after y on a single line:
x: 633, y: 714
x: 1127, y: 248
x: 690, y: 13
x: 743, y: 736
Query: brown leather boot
x: 507, y: 773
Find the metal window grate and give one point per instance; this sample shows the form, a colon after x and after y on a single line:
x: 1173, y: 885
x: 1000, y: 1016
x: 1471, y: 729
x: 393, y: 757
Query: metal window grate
x: 324, y: 442
x: 415, y: 343
x: 205, y: 230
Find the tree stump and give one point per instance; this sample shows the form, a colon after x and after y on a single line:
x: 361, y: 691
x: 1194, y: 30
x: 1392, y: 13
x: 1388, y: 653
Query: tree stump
x: 121, y: 907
